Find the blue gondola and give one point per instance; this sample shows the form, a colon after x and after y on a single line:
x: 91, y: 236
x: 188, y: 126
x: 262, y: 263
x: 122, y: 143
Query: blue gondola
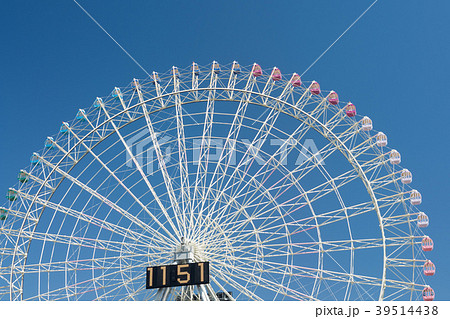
x: 34, y: 159
x: 49, y: 142
x: 116, y: 93
x: 64, y: 128
x: 216, y: 67
x: 195, y: 68
x: 81, y: 115
x: 236, y: 68
x: 98, y: 102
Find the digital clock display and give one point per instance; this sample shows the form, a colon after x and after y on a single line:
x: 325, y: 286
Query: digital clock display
x: 177, y: 275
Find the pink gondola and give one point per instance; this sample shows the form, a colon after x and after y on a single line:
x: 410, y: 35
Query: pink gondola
x: 256, y: 70
x: 314, y: 88
x: 296, y: 80
x: 429, y: 268
x: 333, y: 98
x: 427, y: 244
x: 276, y: 74
x: 350, y: 109
x: 428, y: 294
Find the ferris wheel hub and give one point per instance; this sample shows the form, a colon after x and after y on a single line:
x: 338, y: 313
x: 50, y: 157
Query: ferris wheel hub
x: 184, y: 252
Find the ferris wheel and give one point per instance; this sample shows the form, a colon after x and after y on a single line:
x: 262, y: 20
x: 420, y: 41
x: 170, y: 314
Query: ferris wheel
x: 215, y: 183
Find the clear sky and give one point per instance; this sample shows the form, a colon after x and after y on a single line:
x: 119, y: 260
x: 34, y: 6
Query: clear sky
x: 393, y: 64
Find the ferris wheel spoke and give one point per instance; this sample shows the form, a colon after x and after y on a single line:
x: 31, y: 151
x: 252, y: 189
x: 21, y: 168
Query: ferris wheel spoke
x: 233, y: 283
x: 92, y: 220
x: 144, y: 177
x: 94, y: 193
x: 182, y: 155
x: 230, y: 141
x: 119, y: 181
x: 252, y: 150
x: 69, y: 240
x: 161, y: 162
x: 295, y: 271
x: 247, y: 274
x: 113, y: 288
x: 271, y: 118
x: 203, y: 158
x: 83, y: 287
x: 80, y: 264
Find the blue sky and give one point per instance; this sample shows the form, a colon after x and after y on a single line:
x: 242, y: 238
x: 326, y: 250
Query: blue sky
x: 393, y: 64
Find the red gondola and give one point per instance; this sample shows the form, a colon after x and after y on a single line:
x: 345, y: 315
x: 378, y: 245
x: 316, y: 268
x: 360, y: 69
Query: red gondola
x: 428, y: 294
x: 276, y: 74
x: 314, y: 88
x: 427, y: 244
x: 296, y: 80
x: 256, y: 70
x: 333, y: 98
x: 429, y: 268
x: 350, y: 110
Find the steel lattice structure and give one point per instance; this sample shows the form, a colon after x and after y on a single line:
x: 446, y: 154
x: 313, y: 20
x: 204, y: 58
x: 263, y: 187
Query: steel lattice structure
x: 279, y: 186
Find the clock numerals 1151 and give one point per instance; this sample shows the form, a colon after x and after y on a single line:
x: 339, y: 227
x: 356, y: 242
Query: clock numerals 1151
x: 177, y: 275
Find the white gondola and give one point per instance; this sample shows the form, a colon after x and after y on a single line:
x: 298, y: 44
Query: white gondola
x: 406, y: 176
x: 366, y: 124
x: 415, y: 197
x: 394, y: 157
x: 381, y: 139
x: 423, y: 220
